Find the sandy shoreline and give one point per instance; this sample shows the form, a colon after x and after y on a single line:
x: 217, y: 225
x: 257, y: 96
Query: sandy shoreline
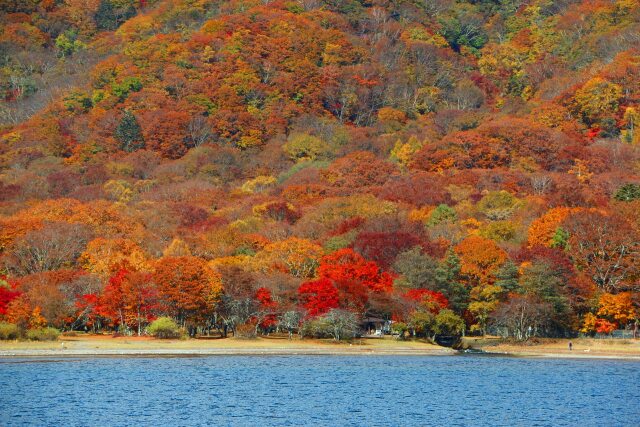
x: 107, y: 346
x: 576, y: 355
x: 56, y: 354
x: 223, y: 352
x: 582, y: 348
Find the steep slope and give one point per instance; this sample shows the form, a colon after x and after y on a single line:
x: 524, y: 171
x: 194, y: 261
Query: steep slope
x: 461, y: 148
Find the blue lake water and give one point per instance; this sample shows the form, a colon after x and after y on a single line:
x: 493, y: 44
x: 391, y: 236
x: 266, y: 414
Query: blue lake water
x: 319, y: 391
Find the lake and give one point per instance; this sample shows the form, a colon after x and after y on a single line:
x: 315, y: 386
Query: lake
x: 319, y: 391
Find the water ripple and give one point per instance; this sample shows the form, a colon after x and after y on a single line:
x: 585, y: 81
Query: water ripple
x: 319, y: 391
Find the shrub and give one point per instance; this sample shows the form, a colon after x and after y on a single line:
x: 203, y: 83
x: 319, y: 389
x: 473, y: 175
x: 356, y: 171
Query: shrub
x: 628, y: 193
x: 9, y: 331
x: 336, y: 324
x: 448, y: 323
x: 43, y: 334
x: 422, y: 323
x: 247, y: 331
x: 400, y: 329
x: 316, y: 328
x: 343, y: 324
x: 165, y: 328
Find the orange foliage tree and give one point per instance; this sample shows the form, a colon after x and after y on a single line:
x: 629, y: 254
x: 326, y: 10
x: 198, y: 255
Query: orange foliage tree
x: 188, y: 288
x: 480, y: 259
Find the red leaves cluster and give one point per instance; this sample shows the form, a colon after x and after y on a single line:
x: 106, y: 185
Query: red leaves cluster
x: 345, y: 281
x: 346, y: 265
x: 318, y: 296
x: 6, y: 296
x: 383, y: 248
x: 435, y: 301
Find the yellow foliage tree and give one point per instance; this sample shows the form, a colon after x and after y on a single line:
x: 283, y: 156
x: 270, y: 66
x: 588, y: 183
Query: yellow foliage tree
x: 103, y: 255
x: 298, y: 257
x: 258, y: 184
x: 303, y: 147
x: 617, y: 307
x: 597, y: 98
x: 177, y: 247
x: 403, y: 152
x: 631, y: 120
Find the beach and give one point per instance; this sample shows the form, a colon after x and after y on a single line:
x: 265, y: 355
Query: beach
x: 105, y: 345
x: 109, y: 346
x: 582, y: 348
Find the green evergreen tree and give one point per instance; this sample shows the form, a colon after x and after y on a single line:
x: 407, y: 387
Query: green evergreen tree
x: 105, y: 16
x: 628, y: 193
x: 560, y: 238
x: 108, y: 17
x: 442, y: 213
x: 507, y: 277
x: 448, y: 280
x: 129, y: 133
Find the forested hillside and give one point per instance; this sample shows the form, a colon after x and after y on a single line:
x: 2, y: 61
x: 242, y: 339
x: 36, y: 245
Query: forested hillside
x: 252, y: 165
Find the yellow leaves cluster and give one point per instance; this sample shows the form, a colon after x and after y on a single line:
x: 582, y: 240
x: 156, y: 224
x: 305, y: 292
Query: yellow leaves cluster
x: 403, y: 152
x: 589, y: 323
x: 258, y: 184
x: 421, y: 214
x: 102, y: 255
x: 341, y: 208
x: 241, y: 261
x: 581, y: 171
x: 618, y: 307
x: 213, y: 26
x: 119, y: 190
x: 631, y: 120
x: 298, y: 257
x: 303, y: 147
x: 422, y: 35
x: 177, y: 247
x: 597, y: 97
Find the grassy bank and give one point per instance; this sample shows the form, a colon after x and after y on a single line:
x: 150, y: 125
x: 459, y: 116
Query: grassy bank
x: 99, y: 345
x: 548, y: 347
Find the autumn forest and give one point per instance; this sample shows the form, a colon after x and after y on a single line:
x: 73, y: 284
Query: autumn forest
x: 320, y: 167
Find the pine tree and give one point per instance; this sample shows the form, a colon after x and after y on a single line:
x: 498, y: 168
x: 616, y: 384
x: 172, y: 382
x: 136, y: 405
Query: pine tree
x: 448, y: 279
x: 105, y: 16
x: 628, y: 193
x: 507, y: 277
x: 129, y: 133
x: 108, y: 17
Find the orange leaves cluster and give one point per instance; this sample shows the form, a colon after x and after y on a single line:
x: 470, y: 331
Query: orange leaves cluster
x: 480, y: 259
x: 542, y: 230
x: 102, y: 256
x: 189, y: 287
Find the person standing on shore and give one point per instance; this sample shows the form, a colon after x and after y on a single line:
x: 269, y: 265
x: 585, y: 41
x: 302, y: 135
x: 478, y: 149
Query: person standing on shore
x: 570, y: 346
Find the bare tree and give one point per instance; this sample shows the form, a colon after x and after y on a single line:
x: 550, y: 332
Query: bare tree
x: 54, y: 246
x: 342, y: 324
x: 199, y: 131
x: 541, y: 184
x: 523, y: 316
x: 290, y: 321
x: 606, y: 247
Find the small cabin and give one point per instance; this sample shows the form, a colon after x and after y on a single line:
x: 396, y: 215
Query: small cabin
x: 375, y: 326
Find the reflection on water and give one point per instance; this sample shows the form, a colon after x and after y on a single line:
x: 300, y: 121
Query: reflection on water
x: 319, y: 391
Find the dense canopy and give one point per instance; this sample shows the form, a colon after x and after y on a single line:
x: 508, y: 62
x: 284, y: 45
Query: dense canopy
x: 237, y: 164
